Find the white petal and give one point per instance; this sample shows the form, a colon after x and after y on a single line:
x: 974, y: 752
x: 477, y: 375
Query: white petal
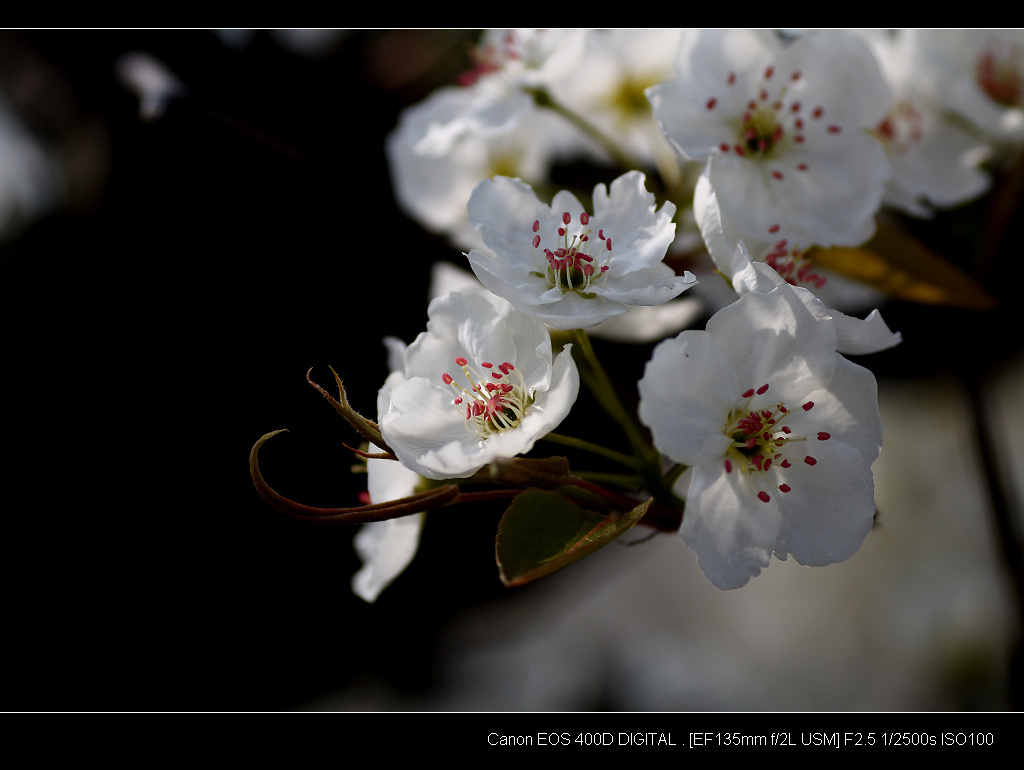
x: 706, y: 59
x: 428, y: 433
x: 847, y: 409
x: 730, y: 529
x: 858, y: 336
x: 504, y: 210
x: 386, y: 548
x: 650, y: 324
x: 572, y: 311
x: 629, y: 215
x: 853, y: 335
x: 942, y: 169
x: 686, y: 392
x: 830, y: 508
x: 516, y: 282
x: 726, y: 250
x: 776, y: 339
x: 650, y: 286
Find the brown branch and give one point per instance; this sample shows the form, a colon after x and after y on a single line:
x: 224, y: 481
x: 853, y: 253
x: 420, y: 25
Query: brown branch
x: 365, y: 428
x: 406, y: 506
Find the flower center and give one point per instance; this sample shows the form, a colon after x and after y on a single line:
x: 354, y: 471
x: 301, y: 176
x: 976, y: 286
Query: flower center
x: 495, y: 400
x: 760, y: 131
x: 630, y: 100
x: 569, y: 266
x: 761, y: 440
x: 902, y: 128
x: 768, y: 123
x: 999, y: 73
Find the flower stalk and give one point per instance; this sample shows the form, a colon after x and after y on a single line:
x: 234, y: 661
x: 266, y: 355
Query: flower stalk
x: 542, y: 98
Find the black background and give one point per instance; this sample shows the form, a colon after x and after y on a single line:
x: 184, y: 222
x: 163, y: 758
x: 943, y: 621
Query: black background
x: 158, y: 324
x: 164, y: 317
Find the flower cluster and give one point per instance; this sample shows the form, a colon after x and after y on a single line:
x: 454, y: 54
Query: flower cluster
x: 780, y: 159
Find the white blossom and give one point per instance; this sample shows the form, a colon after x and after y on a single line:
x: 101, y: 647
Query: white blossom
x: 570, y: 268
x: 976, y: 73
x: 783, y: 129
x: 935, y: 163
x: 496, y: 93
x: 433, y: 189
x: 607, y: 88
x: 778, y: 432
x: 508, y: 389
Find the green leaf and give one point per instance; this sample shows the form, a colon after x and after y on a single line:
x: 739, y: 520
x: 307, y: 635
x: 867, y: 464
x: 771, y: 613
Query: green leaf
x: 541, y: 532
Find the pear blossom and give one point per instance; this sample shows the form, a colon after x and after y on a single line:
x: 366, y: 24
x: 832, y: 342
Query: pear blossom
x: 783, y: 129
x: 607, y: 88
x: 387, y: 547
x: 508, y: 63
x: 975, y: 73
x: 934, y: 162
x: 433, y: 189
x: 778, y: 432
x: 480, y: 384
x: 778, y: 264
x: 568, y: 267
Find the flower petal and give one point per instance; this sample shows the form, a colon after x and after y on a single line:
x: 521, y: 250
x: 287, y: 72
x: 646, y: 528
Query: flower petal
x: 817, y: 534
x: 386, y: 548
x: 847, y: 410
x: 779, y: 340
x: 687, y: 390
x: 733, y: 540
x: 629, y: 212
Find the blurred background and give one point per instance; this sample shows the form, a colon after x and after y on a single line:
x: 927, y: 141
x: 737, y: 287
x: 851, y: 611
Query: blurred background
x: 171, y: 268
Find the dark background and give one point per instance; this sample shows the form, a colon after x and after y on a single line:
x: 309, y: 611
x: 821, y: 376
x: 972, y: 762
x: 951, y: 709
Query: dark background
x: 163, y: 317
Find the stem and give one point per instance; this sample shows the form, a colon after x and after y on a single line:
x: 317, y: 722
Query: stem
x: 605, y: 394
x: 543, y: 99
x: 619, y: 479
x: 647, y: 458
x: 620, y: 501
x: 589, y: 446
x: 435, y: 497
x: 487, y: 494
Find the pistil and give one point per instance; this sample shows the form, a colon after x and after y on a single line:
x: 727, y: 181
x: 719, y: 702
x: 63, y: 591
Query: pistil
x: 769, y: 122
x: 495, y: 400
x: 570, y: 266
x: 760, y: 439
